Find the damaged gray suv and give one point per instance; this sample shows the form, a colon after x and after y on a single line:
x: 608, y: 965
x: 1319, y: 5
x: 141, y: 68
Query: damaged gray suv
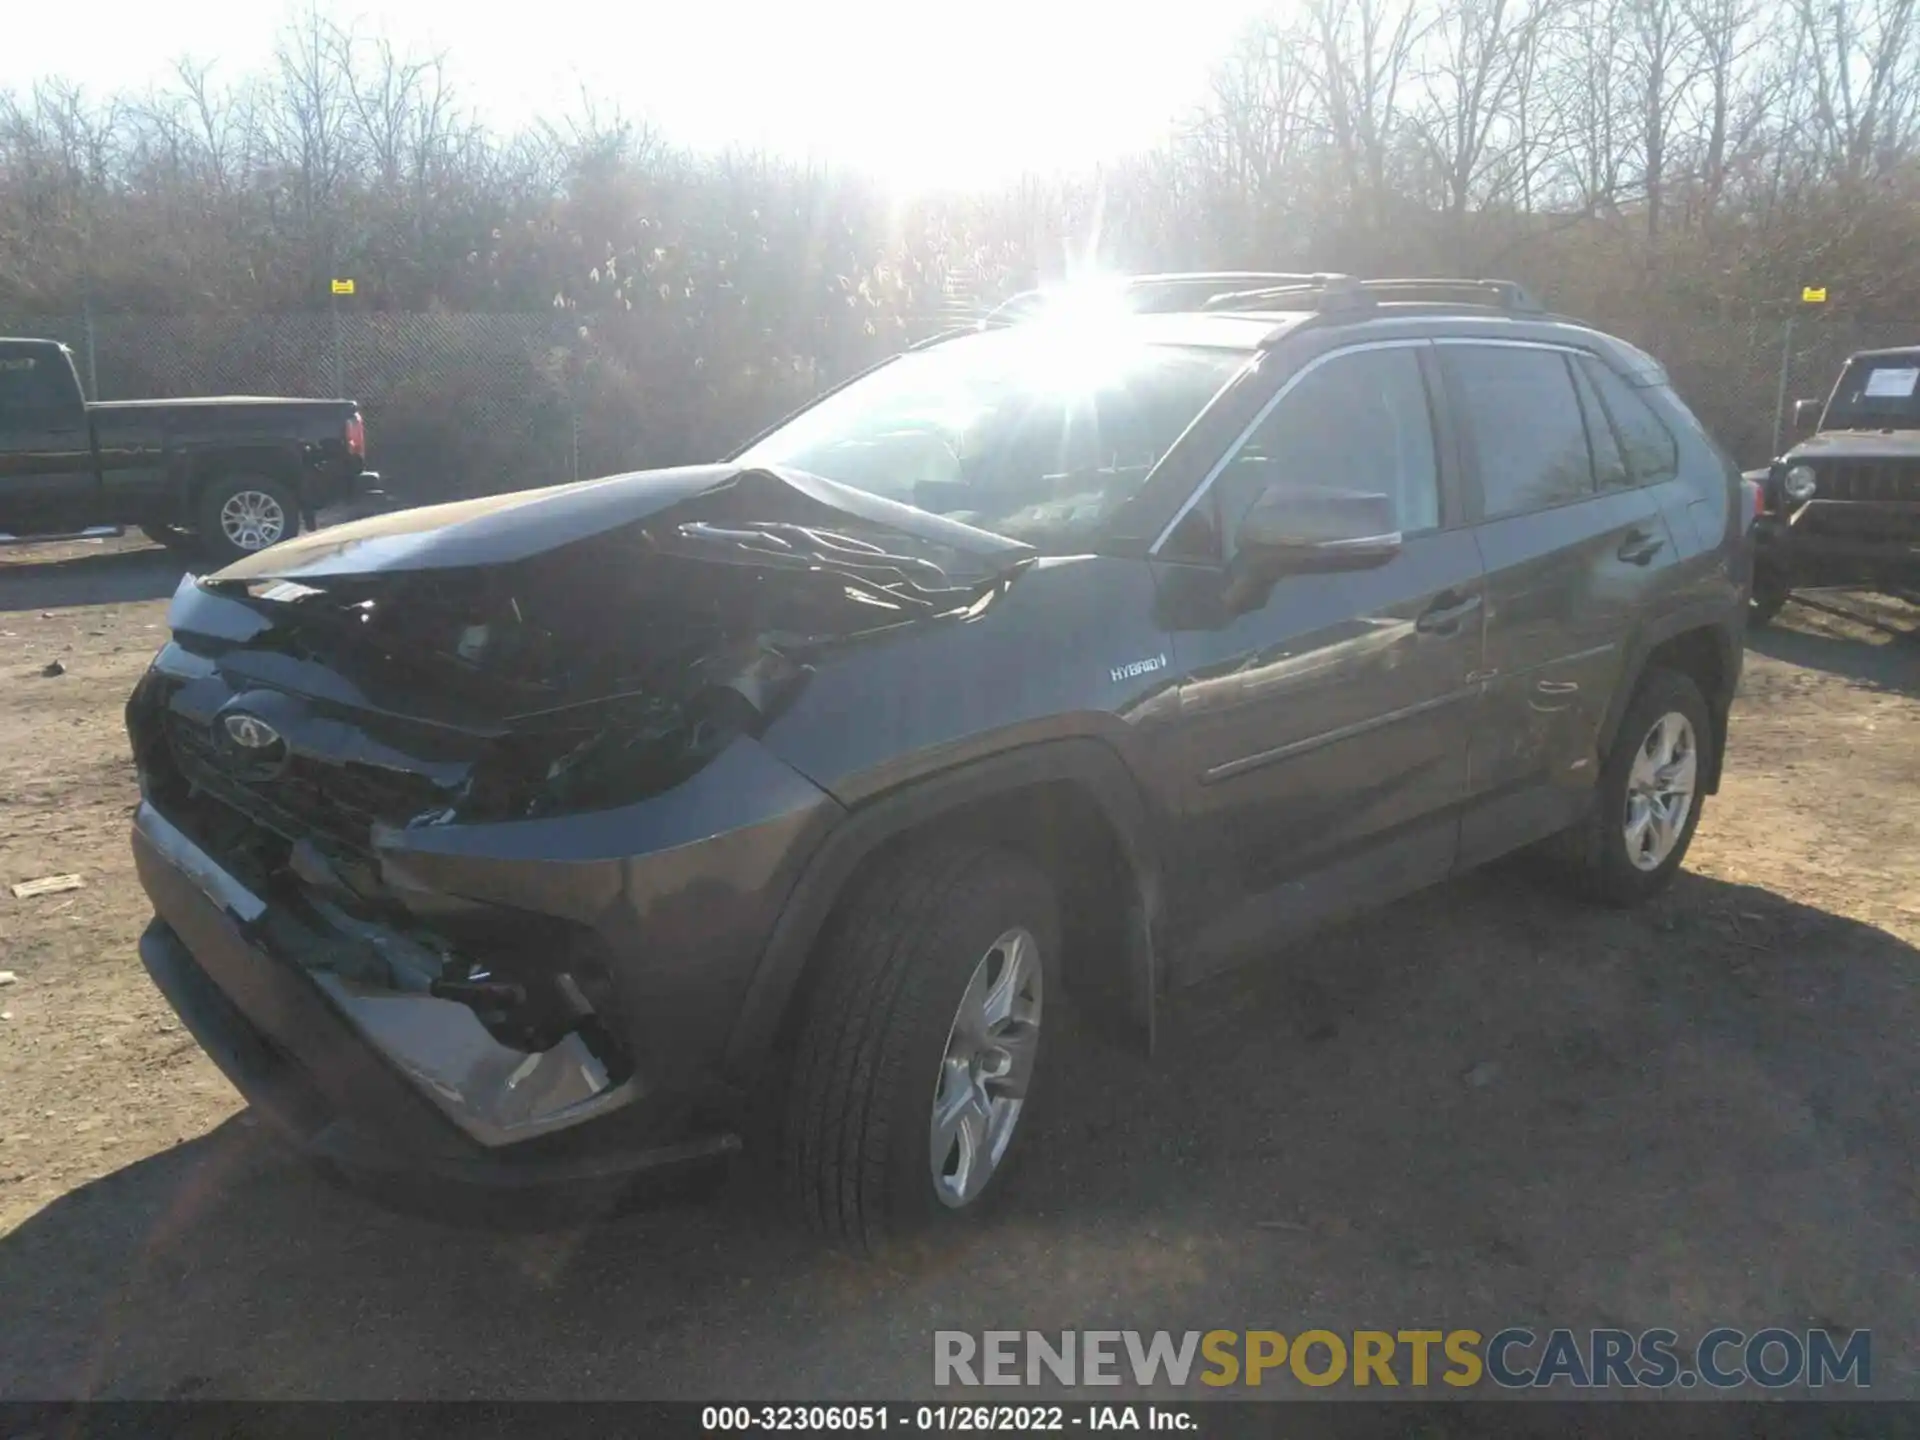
x: 540, y: 840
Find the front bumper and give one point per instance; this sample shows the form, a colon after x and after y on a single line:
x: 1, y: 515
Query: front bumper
x: 421, y: 1089
x: 1832, y: 542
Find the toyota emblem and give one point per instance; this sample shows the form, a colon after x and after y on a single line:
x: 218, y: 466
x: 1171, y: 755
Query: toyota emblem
x: 250, y: 732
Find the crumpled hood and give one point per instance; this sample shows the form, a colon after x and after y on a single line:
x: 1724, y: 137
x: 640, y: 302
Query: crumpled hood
x: 499, y: 529
x: 1858, y: 445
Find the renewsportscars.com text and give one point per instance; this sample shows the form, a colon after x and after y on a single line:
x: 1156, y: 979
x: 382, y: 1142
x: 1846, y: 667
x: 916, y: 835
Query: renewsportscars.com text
x: 1514, y: 1358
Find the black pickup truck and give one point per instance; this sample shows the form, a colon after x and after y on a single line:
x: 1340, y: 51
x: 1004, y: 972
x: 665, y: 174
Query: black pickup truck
x: 224, y: 477
x: 1842, y: 506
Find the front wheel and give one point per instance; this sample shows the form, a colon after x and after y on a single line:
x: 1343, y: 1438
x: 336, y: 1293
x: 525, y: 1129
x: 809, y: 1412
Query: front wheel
x: 1768, y: 596
x: 181, y: 541
x: 243, y: 515
x: 1648, y: 801
x: 920, y: 1046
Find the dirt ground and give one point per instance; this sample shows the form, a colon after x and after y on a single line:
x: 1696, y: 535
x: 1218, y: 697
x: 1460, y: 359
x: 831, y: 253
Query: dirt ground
x: 1482, y: 1107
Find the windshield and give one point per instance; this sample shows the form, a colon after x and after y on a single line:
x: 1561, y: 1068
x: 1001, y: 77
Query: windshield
x: 1038, y: 433
x: 1879, y: 392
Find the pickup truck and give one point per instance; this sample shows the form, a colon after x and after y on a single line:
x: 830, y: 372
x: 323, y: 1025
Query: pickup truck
x: 221, y: 477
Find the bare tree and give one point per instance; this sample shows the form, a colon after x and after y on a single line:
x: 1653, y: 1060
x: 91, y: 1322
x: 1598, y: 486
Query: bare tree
x: 1481, y: 54
x: 1365, y: 50
x: 1724, y: 36
x: 1660, y: 45
x: 1860, y: 56
x: 1584, y: 95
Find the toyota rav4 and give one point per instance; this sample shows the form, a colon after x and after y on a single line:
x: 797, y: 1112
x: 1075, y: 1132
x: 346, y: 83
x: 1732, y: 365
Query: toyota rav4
x: 536, y: 840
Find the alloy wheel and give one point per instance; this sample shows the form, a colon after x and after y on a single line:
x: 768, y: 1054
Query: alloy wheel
x: 984, y: 1074
x: 1660, y: 791
x: 253, y: 520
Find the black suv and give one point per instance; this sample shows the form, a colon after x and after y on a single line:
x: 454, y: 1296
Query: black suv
x: 1842, y: 507
x: 529, y: 840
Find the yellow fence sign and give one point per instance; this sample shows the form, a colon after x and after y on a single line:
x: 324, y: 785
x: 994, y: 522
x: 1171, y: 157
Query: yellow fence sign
x: 345, y: 287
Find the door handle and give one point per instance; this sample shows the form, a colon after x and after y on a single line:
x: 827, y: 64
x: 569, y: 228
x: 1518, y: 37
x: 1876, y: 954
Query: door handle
x: 1639, y: 547
x: 1444, y: 615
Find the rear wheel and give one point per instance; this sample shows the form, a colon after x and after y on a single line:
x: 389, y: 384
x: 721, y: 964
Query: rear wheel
x: 920, y: 1046
x: 172, y: 536
x: 243, y: 514
x: 1648, y: 801
x: 1769, y: 594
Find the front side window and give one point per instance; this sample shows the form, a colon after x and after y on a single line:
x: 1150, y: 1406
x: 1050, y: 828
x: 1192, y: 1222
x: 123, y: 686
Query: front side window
x: 1523, y: 421
x: 1038, y: 432
x: 1356, y: 421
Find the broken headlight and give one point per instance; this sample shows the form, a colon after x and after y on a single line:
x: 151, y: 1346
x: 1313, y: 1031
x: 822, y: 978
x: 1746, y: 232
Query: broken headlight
x: 637, y: 748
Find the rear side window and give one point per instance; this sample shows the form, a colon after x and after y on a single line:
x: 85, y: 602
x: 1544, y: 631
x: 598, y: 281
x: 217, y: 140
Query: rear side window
x: 1609, y: 464
x: 1529, y: 441
x: 1652, y: 455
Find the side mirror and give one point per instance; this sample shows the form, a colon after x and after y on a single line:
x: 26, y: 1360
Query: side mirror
x: 1312, y: 527
x: 1806, y: 418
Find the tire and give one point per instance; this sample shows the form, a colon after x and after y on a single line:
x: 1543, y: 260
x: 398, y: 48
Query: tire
x: 183, y: 542
x: 225, y: 506
x: 872, y: 1053
x: 1765, y: 602
x: 508, y: 1211
x: 1602, y: 848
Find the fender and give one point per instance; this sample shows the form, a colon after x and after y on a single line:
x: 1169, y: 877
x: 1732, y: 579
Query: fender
x: 1090, y: 763
x: 1726, y: 633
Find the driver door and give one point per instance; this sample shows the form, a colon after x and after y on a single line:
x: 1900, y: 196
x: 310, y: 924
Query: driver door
x: 1324, y: 720
x: 47, y: 477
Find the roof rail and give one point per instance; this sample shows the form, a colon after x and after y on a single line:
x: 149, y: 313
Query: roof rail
x: 1503, y: 294
x: 1343, y: 292
x: 1147, y: 294
x: 1331, y: 291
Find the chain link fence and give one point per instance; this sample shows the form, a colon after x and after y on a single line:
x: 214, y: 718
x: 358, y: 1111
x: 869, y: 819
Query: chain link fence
x: 466, y: 404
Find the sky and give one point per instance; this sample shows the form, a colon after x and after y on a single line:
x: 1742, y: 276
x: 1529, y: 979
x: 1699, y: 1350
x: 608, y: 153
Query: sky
x: 923, y: 96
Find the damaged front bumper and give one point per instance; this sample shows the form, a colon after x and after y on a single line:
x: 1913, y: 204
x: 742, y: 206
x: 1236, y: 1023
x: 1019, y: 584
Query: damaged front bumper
x: 509, y: 1003
x: 376, y: 1081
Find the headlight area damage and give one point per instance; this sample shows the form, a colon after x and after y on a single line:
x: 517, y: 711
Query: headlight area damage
x: 429, y: 751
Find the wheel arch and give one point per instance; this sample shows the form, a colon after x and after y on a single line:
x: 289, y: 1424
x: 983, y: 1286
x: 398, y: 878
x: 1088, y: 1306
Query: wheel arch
x: 1069, y: 803
x: 1705, y: 648
x: 268, y: 462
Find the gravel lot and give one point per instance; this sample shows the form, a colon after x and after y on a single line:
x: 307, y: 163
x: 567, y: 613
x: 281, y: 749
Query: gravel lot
x: 1485, y: 1106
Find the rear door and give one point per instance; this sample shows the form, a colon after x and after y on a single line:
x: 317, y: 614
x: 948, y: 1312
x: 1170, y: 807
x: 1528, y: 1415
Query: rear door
x: 1571, y: 565
x: 47, y: 479
x: 1324, y: 723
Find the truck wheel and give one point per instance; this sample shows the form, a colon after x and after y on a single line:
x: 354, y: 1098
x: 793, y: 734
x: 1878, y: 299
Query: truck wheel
x: 243, y: 514
x: 919, y: 1046
x: 1765, y: 601
x: 172, y: 536
x: 1648, y: 802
